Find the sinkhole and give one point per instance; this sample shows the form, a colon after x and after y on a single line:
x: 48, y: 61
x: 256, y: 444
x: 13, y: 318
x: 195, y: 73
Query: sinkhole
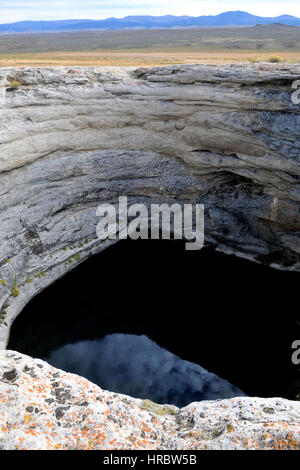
x: 148, y: 319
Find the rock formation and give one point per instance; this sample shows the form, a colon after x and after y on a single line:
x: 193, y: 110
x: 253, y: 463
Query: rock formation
x: 74, y: 137
x: 42, y: 408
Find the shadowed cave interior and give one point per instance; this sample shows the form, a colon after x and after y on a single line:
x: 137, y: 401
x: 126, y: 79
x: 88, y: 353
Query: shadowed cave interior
x: 149, y: 319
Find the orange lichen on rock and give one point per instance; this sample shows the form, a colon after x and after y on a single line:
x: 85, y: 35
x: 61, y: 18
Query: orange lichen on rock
x: 45, y: 408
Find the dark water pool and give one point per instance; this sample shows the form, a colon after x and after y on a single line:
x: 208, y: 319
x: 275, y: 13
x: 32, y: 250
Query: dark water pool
x: 136, y: 366
x: 123, y: 319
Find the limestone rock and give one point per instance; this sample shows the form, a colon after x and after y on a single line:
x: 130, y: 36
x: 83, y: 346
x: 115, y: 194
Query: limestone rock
x: 74, y: 137
x: 42, y: 408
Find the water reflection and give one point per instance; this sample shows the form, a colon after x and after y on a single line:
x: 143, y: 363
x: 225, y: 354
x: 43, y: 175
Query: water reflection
x: 137, y: 366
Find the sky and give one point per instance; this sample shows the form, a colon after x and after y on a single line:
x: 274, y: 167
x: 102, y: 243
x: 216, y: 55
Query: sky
x: 19, y: 10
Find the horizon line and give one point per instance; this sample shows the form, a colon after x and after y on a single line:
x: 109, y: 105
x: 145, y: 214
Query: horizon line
x: 147, y: 16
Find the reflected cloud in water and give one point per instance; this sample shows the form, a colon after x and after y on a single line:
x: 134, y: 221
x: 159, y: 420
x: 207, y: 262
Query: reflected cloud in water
x: 137, y: 366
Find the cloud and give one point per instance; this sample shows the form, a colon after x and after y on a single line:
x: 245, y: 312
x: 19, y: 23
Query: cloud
x: 17, y: 10
x: 136, y: 366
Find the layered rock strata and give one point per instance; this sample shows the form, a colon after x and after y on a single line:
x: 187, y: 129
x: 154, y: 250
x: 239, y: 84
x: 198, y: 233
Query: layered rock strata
x: 72, y: 138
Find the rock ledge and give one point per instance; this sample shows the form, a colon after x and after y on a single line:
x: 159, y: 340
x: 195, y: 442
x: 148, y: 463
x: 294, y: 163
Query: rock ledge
x: 42, y: 408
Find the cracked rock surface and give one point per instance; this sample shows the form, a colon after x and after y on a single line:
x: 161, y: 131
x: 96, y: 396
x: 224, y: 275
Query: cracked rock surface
x: 43, y: 408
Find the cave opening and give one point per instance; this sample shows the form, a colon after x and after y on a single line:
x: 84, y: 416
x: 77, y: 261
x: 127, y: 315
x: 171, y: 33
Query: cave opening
x: 148, y: 319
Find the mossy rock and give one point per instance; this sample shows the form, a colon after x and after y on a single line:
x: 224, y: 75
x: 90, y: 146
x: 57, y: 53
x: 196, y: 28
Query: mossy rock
x: 41, y: 274
x: 76, y: 257
x: 2, y: 316
x: 157, y: 409
x: 15, y: 83
x: 15, y: 292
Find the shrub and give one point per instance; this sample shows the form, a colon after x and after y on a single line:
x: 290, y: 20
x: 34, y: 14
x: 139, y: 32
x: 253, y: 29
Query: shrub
x: 275, y: 59
x: 15, y: 291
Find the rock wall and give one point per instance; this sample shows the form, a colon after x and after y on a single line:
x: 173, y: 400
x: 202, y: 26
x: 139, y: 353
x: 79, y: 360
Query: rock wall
x: 72, y: 138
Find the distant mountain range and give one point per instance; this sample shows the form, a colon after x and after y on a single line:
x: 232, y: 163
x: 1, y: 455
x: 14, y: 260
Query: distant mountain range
x: 230, y: 18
